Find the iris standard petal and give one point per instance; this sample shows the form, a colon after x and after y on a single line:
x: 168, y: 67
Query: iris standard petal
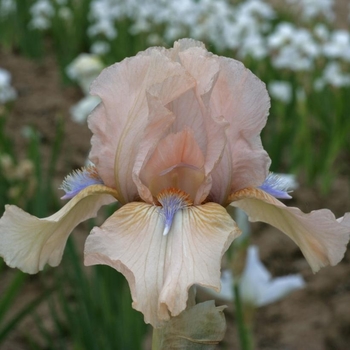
x: 176, y: 162
x: 242, y: 99
x: 320, y: 236
x: 28, y: 243
x: 119, y: 122
x: 160, y: 269
x: 204, y: 68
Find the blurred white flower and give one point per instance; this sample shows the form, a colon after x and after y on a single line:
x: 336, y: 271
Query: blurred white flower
x: 65, y: 13
x: 154, y: 39
x: 292, y: 59
x: 338, y: 45
x: 7, y: 7
x: 105, y: 28
x: 256, y: 285
x: 80, y: 111
x: 100, y: 47
x: 293, y: 48
x: 220, y: 22
x: 311, y: 9
x: 7, y: 92
x: 282, y: 35
x: 103, y: 14
x: 253, y: 45
x: 41, y: 11
x: 321, y: 32
x: 84, y: 69
x: 280, y: 90
x: 334, y: 76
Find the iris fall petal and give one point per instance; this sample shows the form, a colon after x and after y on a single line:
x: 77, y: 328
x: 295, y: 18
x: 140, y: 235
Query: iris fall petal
x: 28, y: 242
x: 242, y: 99
x: 160, y: 269
x: 321, y: 237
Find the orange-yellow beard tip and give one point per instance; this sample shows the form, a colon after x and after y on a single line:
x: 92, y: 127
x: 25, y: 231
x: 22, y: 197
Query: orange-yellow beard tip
x: 173, y: 192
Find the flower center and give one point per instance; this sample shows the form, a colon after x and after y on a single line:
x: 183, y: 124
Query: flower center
x: 185, y: 178
x: 172, y: 200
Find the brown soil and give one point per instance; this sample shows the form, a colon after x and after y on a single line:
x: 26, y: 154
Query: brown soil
x: 315, y: 318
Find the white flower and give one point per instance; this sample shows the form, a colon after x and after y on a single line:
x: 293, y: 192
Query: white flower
x: 105, y: 28
x: 313, y: 8
x: 321, y: 31
x: 103, y: 14
x: 290, y: 57
x: 83, y: 108
x: 7, y: 7
x: 84, y: 69
x: 7, y: 92
x: 255, y: 46
x: 42, y: 11
x: 100, y: 47
x: 280, y: 90
x: 334, y: 76
x: 256, y: 285
x: 65, y: 13
x: 338, y: 46
x: 295, y: 48
x: 283, y: 34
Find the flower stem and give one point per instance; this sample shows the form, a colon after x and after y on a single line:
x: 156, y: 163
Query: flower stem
x: 244, y: 328
x: 156, y: 339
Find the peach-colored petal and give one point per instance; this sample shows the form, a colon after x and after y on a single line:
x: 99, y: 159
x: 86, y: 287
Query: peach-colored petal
x: 28, y: 243
x: 119, y: 122
x: 345, y: 220
x: 160, y: 269
x: 204, y: 68
x: 176, y: 162
x: 321, y: 237
x: 222, y: 179
x: 242, y: 99
x: 183, y: 45
x: 160, y: 120
x: 191, y: 110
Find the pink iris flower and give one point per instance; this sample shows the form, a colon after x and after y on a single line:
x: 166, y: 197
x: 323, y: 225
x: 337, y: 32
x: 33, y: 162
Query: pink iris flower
x: 175, y: 140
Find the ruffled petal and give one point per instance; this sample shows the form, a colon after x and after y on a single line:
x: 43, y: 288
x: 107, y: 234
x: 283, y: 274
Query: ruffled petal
x: 242, y: 99
x: 160, y: 120
x: 320, y: 236
x: 119, y: 122
x: 176, y: 162
x: 160, y: 269
x: 28, y: 243
x: 211, y: 135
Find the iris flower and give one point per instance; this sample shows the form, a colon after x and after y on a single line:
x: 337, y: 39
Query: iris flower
x: 256, y: 285
x: 175, y: 140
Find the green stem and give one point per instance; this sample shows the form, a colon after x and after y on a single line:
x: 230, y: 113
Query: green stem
x: 244, y: 329
x: 156, y: 335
